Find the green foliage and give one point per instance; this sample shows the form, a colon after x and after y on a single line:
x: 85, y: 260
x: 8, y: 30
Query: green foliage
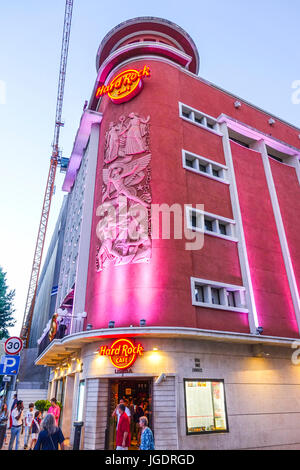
x: 44, y: 405
x: 41, y: 405
x: 6, y: 306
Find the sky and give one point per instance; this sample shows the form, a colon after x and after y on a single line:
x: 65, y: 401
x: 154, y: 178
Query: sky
x: 247, y: 47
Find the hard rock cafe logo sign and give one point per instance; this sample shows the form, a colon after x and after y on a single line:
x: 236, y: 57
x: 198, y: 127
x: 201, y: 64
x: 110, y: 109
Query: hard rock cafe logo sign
x: 126, y: 194
x: 122, y: 353
x: 124, y: 86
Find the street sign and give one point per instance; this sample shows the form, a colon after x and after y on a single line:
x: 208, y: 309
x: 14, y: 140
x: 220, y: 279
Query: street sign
x: 9, y: 365
x: 7, y: 378
x: 13, y: 345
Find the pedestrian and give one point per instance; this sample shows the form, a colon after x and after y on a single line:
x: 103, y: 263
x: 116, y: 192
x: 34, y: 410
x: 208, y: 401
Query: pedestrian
x: 50, y: 436
x: 35, y: 428
x: 54, y: 410
x: 13, y: 405
x: 138, y: 412
x: 16, y: 427
x: 123, y: 430
x: 3, y: 423
x: 28, y: 420
x: 147, y: 440
x: 117, y: 413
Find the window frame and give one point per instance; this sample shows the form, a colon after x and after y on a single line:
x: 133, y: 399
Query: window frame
x: 189, y: 433
x: 210, y: 166
x: 195, y: 116
x: 238, y: 292
x: 201, y: 216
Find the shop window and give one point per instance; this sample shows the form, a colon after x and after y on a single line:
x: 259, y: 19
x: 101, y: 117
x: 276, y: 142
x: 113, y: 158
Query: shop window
x: 205, y: 406
x: 80, y: 401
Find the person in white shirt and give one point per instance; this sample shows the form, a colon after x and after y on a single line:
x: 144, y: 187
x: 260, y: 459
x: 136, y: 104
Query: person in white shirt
x: 117, y: 413
x: 17, y: 418
x: 28, y: 420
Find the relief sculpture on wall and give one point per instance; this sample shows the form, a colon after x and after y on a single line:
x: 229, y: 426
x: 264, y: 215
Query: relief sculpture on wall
x: 124, y: 225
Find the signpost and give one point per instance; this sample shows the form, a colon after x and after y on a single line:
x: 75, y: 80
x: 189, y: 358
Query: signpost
x: 13, y: 345
x: 9, y: 365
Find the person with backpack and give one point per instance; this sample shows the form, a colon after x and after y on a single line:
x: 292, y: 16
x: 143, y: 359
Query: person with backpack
x: 51, y: 436
x: 35, y: 428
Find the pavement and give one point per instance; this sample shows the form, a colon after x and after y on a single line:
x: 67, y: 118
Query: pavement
x: 21, y: 442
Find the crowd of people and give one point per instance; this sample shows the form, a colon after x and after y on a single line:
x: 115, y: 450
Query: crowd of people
x: 39, y: 433
x: 133, y: 425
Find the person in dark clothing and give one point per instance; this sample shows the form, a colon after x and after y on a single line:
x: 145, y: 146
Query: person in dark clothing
x: 50, y: 436
x: 3, y: 423
x: 138, y: 412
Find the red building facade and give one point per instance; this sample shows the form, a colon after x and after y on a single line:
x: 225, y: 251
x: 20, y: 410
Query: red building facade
x: 214, y: 294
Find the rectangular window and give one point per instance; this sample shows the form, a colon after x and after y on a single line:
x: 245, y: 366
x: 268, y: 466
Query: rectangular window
x: 205, y: 406
x: 199, y: 293
x: 199, y: 118
x: 231, y: 299
x: 210, y: 224
x: 204, y: 166
x: 215, y: 296
x: 80, y: 401
x: 218, y: 295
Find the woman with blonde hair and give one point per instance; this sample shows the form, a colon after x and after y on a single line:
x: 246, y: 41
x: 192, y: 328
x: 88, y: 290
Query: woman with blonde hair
x: 50, y: 436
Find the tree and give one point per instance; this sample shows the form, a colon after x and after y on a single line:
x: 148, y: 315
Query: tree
x: 6, y: 306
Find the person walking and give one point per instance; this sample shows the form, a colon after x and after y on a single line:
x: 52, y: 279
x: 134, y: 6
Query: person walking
x: 28, y: 420
x: 147, y: 440
x: 50, y: 436
x: 13, y: 405
x: 3, y: 423
x: 35, y: 428
x: 138, y: 412
x: 16, y: 427
x: 54, y: 410
x: 123, y: 430
x: 117, y: 411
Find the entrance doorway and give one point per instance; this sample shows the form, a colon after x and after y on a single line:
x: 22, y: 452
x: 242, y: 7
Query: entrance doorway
x: 135, y: 392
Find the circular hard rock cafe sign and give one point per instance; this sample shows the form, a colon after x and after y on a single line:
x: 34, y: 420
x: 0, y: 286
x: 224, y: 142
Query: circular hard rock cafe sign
x: 124, y: 86
x: 122, y: 353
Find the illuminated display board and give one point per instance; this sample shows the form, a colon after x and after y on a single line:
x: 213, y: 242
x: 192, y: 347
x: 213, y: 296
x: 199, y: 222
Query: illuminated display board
x: 205, y: 406
x: 122, y: 353
x: 124, y: 86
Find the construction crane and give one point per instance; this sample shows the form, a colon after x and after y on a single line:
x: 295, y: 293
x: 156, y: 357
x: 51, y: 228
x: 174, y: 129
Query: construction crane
x: 55, y: 160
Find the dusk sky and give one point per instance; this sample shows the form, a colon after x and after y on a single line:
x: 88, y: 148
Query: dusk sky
x: 247, y: 47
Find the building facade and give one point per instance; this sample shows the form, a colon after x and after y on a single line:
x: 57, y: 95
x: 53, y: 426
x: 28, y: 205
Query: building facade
x: 180, y: 269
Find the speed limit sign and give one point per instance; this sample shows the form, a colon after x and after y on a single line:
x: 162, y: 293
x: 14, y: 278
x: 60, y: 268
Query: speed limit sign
x: 13, y: 345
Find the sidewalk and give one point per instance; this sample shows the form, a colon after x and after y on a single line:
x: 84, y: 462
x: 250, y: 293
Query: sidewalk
x: 21, y: 442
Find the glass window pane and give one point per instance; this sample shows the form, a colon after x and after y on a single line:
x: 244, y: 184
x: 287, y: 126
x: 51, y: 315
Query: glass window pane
x: 199, y: 294
x: 208, y: 225
x: 79, y: 415
x: 222, y: 228
x: 205, y: 406
x: 215, y: 296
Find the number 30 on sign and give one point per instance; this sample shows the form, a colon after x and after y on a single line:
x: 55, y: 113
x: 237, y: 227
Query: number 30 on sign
x: 13, y: 345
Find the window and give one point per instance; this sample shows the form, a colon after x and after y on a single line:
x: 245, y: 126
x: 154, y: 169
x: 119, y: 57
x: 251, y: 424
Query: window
x: 208, y: 225
x: 199, y: 293
x: 211, y: 224
x: 215, y: 296
x: 204, y: 166
x: 205, y: 406
x: 199, y: 118
x: 218, y: 295
x: 80, y: 401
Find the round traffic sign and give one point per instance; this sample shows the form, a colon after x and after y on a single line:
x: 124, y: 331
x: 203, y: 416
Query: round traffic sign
x: 13, y: 345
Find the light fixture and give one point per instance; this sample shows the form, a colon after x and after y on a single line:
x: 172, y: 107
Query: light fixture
x: 271, y: 121
x: 89, y: 326
x: 237, y: 104
x: 155, y: 349
x: 259, y: 330
x: 111, y: 324
x: 142, y: 322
